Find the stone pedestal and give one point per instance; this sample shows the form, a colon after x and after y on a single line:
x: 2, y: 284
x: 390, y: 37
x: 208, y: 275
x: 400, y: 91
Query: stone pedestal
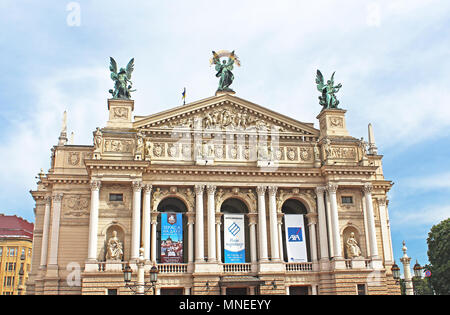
x: 332, y: 123
x: 120, y: 113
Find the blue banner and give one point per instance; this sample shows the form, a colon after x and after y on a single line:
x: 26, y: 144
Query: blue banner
x: 234, y: 238
x: 171, y: 237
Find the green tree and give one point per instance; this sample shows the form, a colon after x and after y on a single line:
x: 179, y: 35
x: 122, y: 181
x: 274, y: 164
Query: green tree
x: 422, y: 286
x: 439, y: 257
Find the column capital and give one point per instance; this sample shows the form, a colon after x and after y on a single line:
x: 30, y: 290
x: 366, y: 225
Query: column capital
x: 96, y: 184
x: 312, y: 218
x: 260, y: 190
x: 147, y: 188
x: 382, y: 201
x: 48, y: 200
x: 137, y: 185
x: 272, y: 190
x: 320, y: 190
x: 199, y: 189
x: 211, y: 189
x: 332, y: 188
x: 367, y: 188
x: 57, y: 197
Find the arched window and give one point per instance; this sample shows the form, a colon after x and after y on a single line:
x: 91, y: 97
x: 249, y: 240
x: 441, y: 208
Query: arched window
x: 236, y: 206
x: 172, y: 205
x: 294, y: 206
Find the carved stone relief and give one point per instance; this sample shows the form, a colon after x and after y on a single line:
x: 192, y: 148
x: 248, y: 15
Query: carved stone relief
x: 76, y: 205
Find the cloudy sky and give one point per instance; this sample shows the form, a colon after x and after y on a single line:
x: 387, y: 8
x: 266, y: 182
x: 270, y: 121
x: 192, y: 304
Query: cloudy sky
x: 392, y: 58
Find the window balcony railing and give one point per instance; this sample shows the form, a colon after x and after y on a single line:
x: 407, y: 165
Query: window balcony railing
x: 172, y: 268
x: 237, y: 268
x: 301, y: 266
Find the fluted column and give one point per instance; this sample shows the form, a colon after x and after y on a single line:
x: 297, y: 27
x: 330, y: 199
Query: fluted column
x: 136, y: 220
x: 274, y: 245
x: 322, y: 222
x: 384, y: 229
x: 280, y: 237
x: 312, y: 220
x: 147, y: 221
x: 54, y: 240
x: 211, y: 190
x: 218, y: 238
x: 153, y: 239
x: 45, y: 230
x: 199, y: 235
x: 93, y: 221
x: 332, y: 188
x: 367, y: 189
x: 190, y: 239
x: 252, y: 225
x: 262, y: 229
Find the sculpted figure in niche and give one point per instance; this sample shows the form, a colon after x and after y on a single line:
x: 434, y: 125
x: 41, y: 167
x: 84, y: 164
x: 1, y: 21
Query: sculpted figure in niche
x: 353, y: 249
x: 114, y: 248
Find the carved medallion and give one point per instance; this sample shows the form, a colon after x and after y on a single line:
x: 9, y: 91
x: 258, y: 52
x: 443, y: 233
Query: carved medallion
x: 292, y: 153
x: 74, y: 158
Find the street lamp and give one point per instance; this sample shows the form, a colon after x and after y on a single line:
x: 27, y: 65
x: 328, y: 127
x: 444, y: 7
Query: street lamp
x: 154, y: 277
x: 395, y: 272
x: 140, y: 287
x: 417, y: 270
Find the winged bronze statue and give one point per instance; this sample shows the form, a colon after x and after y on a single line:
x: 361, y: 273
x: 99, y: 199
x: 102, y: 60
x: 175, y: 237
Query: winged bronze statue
x: 122, y: 79
x: 224, y: 70
x: 328, y: 98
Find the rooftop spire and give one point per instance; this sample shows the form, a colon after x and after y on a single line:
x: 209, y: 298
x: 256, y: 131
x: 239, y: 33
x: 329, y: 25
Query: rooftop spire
x: 63, y: 135
x: 372, y: 147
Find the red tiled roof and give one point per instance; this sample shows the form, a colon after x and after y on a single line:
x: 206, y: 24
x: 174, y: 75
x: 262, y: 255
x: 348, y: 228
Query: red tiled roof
x: 12, y: 226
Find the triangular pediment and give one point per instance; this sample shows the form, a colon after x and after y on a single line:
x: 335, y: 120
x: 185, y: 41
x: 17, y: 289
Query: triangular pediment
x: 224, y: 112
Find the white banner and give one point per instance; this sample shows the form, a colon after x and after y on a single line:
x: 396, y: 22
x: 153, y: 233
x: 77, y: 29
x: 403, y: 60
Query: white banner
x: 295, y: 238
x: 234, y: 238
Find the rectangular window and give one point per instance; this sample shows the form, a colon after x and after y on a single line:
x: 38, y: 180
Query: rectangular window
x: 115, y: 197
x: 1, y: 252
x: 347, y: 199
x: 22, y: 256
x: 361, y: 289
x: 112, y: 291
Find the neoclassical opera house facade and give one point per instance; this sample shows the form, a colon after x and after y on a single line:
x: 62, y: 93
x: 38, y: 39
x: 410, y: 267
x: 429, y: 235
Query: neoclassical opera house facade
x: 224, y: 197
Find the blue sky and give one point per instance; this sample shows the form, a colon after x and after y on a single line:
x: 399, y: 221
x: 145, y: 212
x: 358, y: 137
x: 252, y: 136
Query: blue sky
x: 391, y: 57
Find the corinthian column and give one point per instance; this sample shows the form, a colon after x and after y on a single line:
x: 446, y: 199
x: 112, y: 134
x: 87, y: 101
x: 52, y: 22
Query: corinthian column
x: 54, y: 241
x: 211, y: 190
x: 136, y: 220
x: 45, y: 229
x: 262, y: 229
x: 274, y: 250
x: 93, y: 221
x: 322, y: 222
x: 199, y: 235
x: 367, y: 189
x: 332, y: 188
x: 147, y: 221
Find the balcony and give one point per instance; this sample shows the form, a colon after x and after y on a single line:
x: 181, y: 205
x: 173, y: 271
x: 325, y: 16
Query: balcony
x: 298, y: 267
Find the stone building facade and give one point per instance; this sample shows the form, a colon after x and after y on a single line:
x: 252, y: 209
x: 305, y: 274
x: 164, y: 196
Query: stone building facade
x: 218, y: 155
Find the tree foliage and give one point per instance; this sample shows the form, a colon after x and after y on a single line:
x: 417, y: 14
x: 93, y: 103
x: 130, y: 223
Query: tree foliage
x: 439, y: 257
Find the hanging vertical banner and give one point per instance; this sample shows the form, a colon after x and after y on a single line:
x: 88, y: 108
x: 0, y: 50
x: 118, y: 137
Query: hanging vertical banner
x: 171, y: 237
x: 234, y: 238
x: 295, y: 238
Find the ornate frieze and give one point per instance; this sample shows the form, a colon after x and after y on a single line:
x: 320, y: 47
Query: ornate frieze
x: 76, y: 205
x: 118, y: 146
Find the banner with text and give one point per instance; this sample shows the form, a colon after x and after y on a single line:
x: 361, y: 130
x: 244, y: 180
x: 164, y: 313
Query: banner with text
x: 171, y: 237
x: 295, y: 238
x: 234, y: 238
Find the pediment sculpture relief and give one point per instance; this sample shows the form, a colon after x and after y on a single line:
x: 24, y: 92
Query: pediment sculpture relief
x: 225, y: 118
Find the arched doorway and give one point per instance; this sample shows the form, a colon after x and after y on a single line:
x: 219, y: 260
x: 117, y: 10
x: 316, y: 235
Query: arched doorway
x: 294, y: 206
x: 236, y: 206
x: 175, y: 206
